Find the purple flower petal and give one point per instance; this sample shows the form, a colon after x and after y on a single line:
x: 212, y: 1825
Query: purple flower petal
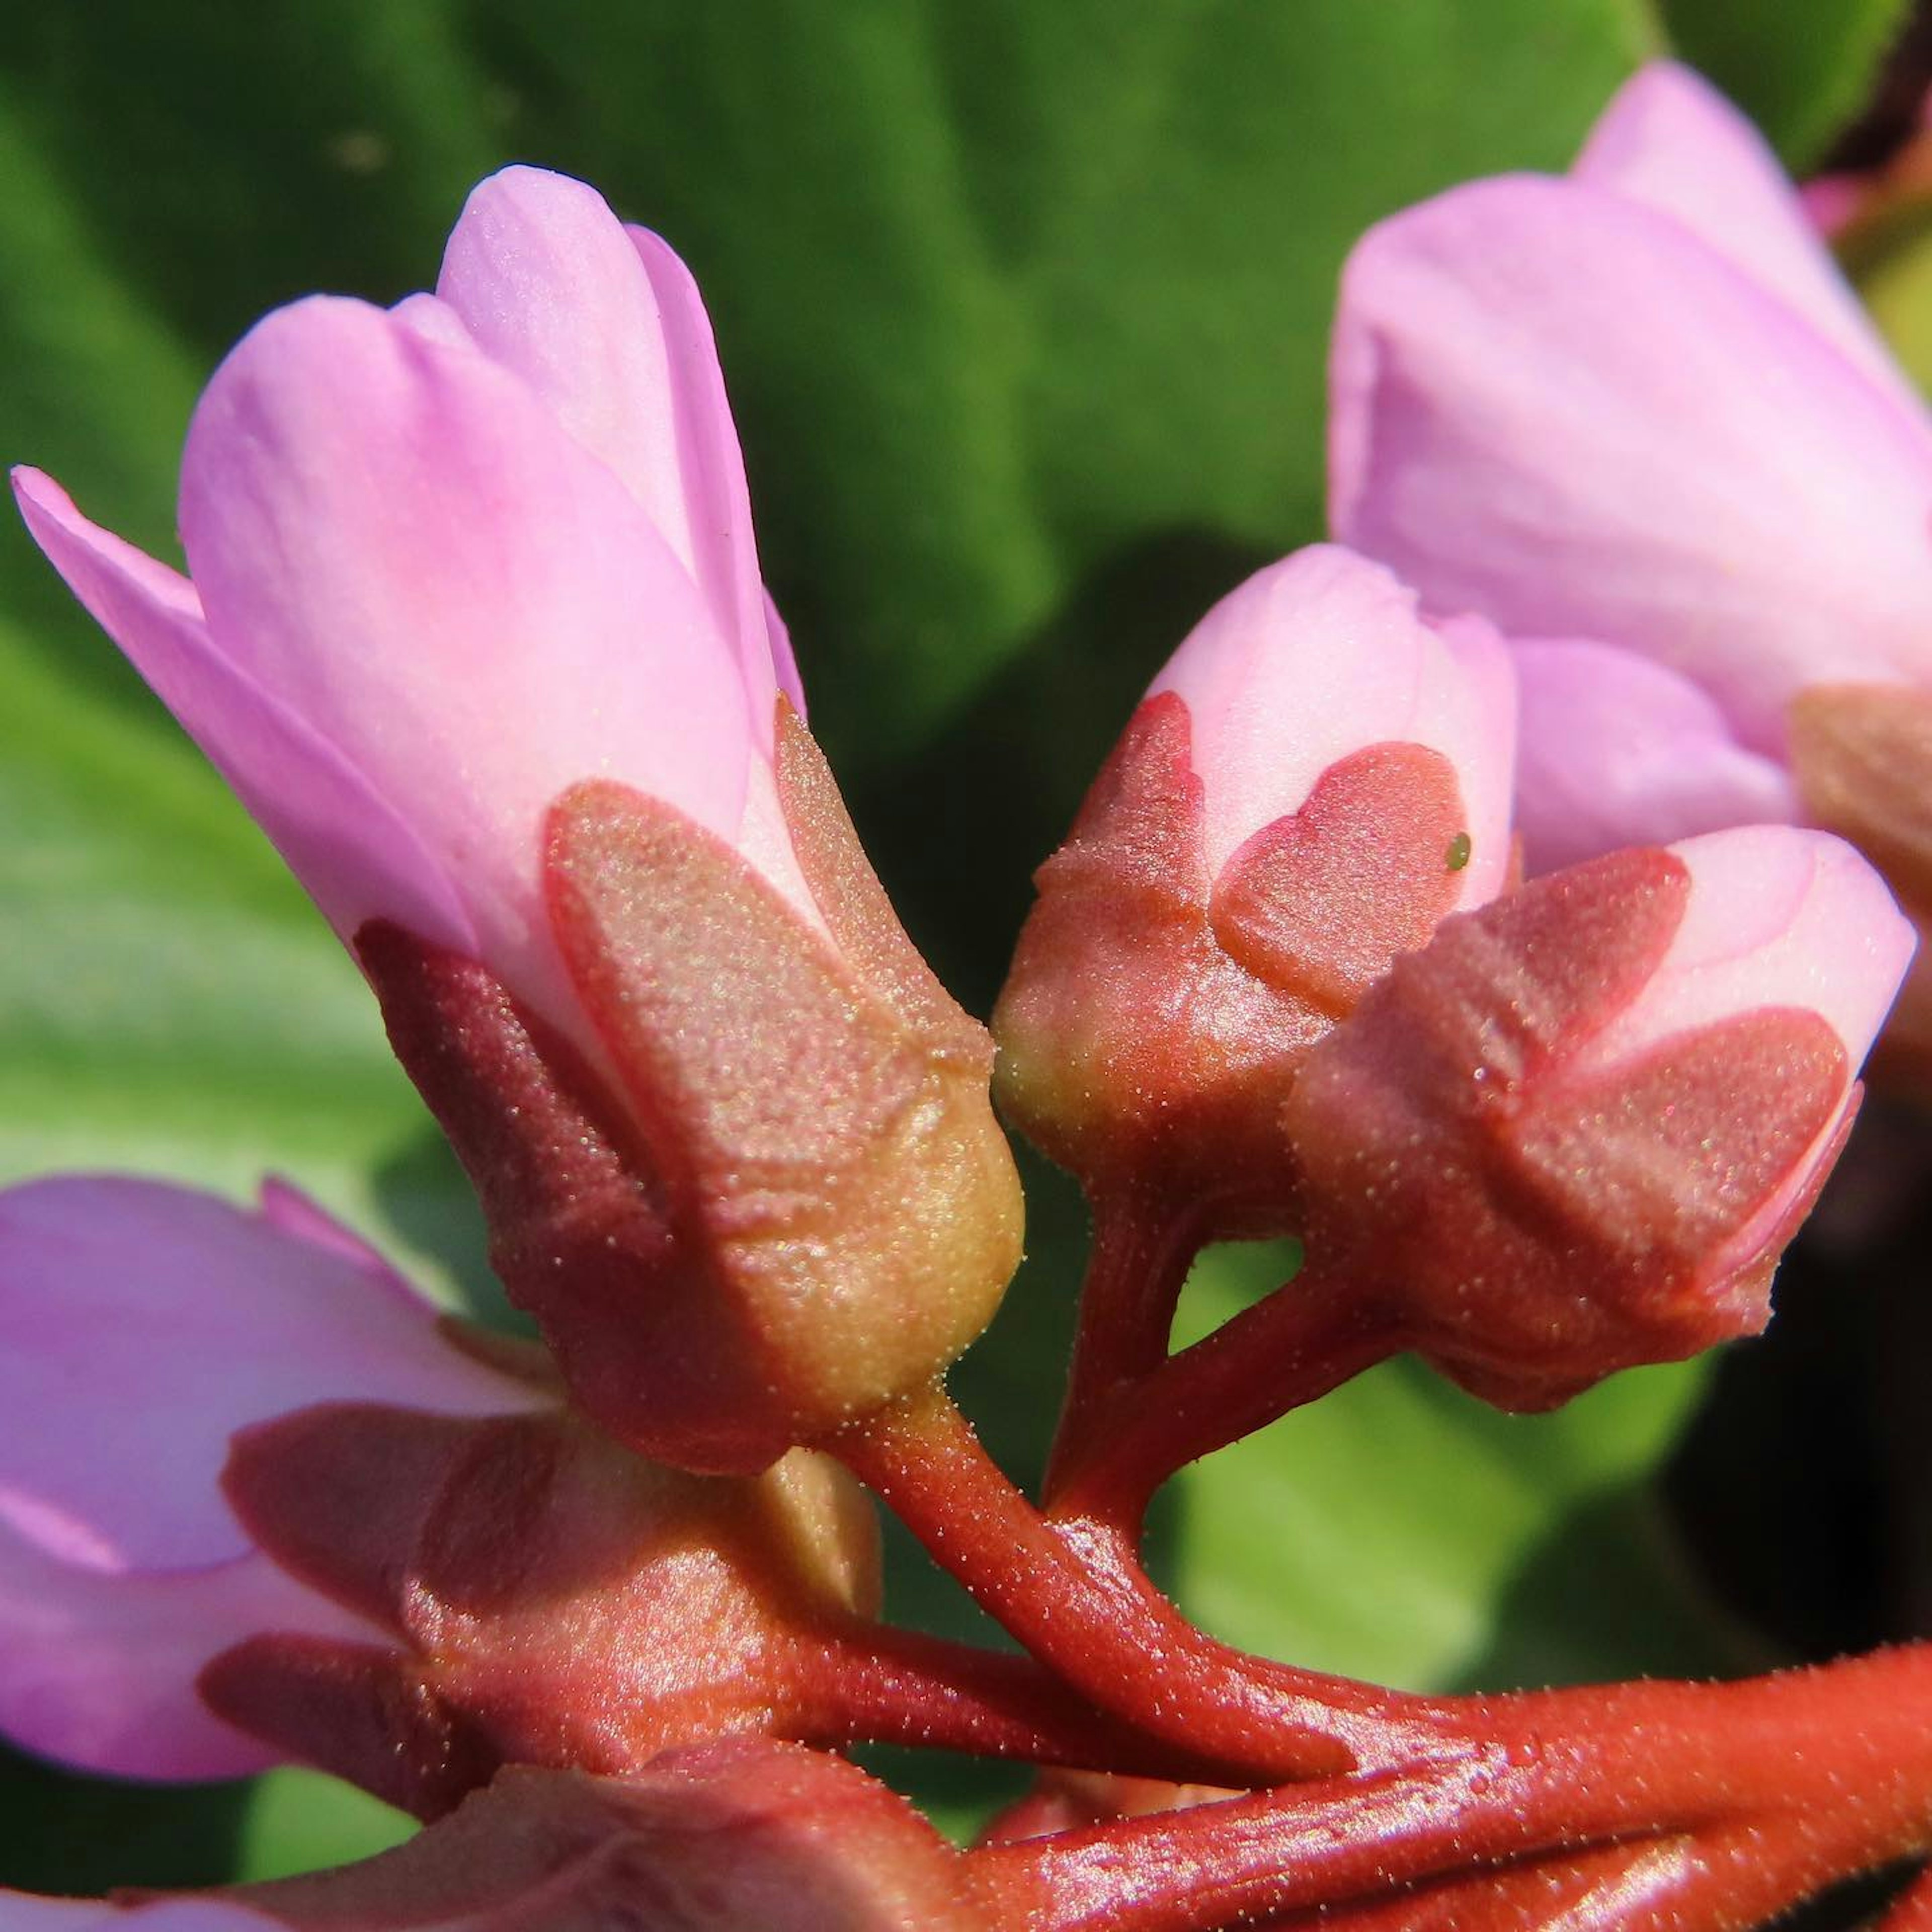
x: 607, y: 325
x: 98, y: 1670
x: 713, y: 470
x: 1615, y: 750
x: 1670, y: 140
x: 21, y: 1912
x: 141, y: 1325
x: 1559, y: 407
x: 340, y: 837
x: 392, y: 535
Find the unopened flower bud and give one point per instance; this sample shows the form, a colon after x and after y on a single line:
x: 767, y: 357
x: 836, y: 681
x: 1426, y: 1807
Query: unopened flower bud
x: 788, y: 1202
x: 543, y: 1595
x: 1574, y: 1132
x: 417, y: 1563
x: 1315, y: 780
x: 475, y: 630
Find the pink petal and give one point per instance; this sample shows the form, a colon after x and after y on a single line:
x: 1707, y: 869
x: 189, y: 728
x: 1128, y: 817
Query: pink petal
x: 1777, y: 917
x: 1559, y: 407
x: 391, y: 535
x: 784, y: 661
x: 1615, y: 750
x: 143, y: 1324
x: 98, y: 1670
x: 340, y: 838
x: 607, y: 325
x: 1313, y: 659
x: 1670, y: 140
x: 23, y: 1911
x: 713, y: 468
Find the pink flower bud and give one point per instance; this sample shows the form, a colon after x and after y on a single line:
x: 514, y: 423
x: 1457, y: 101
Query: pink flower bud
x: 1314, y: 781
x: 1636, y: 418
x: 1574, y: 1132
x: 140, y: 1326
x: 474, y: 591
x: 254, y: 1496
x: 451, y: 558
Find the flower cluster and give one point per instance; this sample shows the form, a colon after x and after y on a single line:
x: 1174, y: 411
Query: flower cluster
x: 1636, y: 599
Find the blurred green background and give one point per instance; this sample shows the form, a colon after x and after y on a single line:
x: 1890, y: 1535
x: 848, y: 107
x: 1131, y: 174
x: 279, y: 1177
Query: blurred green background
x: 1023, y: 307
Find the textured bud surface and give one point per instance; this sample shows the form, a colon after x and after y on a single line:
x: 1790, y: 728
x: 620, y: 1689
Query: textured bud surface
x: 554, y: 1598
x: 828, y: 1153
x: 1539, y: 1215
x: 1157, y: 1015
x: 750, y: 1835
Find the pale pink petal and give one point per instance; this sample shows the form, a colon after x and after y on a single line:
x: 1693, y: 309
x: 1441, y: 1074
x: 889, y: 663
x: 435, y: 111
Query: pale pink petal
x: 393, y: 536
x: 607, y: 326
x: 1318, y: 656
x: 21, y: 1912
x: 784, y: 661
x: 98, y: 1670
x: 1614, y: 750
x: 1777, y: 917
x: 1671, y: 140
x: 340, y: 838
x: 713, y: 468
x: 289, y: 1211
x: 141, y: 1324
x: 1559, y: 407
x: 764, y: 841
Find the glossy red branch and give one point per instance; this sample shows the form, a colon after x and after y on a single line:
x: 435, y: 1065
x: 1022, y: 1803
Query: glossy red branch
x: 1070, y: 1594
x: 1299, y: 1342
x: 1143, y: 1244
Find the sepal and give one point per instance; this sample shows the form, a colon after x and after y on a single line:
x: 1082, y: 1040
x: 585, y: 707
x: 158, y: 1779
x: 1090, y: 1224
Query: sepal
x: 1156, y: 1016
x: 552, y: 1598
x: 1536, y: 1217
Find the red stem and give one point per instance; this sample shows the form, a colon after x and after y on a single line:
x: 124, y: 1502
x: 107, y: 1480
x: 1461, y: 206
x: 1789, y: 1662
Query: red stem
x: 878, y: 1684
x: 1143, y: 1248
x: 1079, y: 1604
x: 1798, y: 1779
x: 1289, y: 1348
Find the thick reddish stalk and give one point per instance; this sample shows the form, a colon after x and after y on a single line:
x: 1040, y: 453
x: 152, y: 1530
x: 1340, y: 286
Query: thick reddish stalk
x: 1087, y: 1612
x: 880, y: 1685
x: 1144, y: 1245
x: 1798, y: 1779
x: 1287, y: 1350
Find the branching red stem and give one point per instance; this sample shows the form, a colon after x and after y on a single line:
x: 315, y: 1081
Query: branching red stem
x: 1292, y: 1347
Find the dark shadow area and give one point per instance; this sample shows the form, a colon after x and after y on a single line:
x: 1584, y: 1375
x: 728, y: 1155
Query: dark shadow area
x: 1805, y: 1484
x: 68, y: 1833
x: 957, y: 841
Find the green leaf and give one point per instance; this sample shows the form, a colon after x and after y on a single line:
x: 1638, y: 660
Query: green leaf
x: 1801, y: 69
x: 298, y: 1821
